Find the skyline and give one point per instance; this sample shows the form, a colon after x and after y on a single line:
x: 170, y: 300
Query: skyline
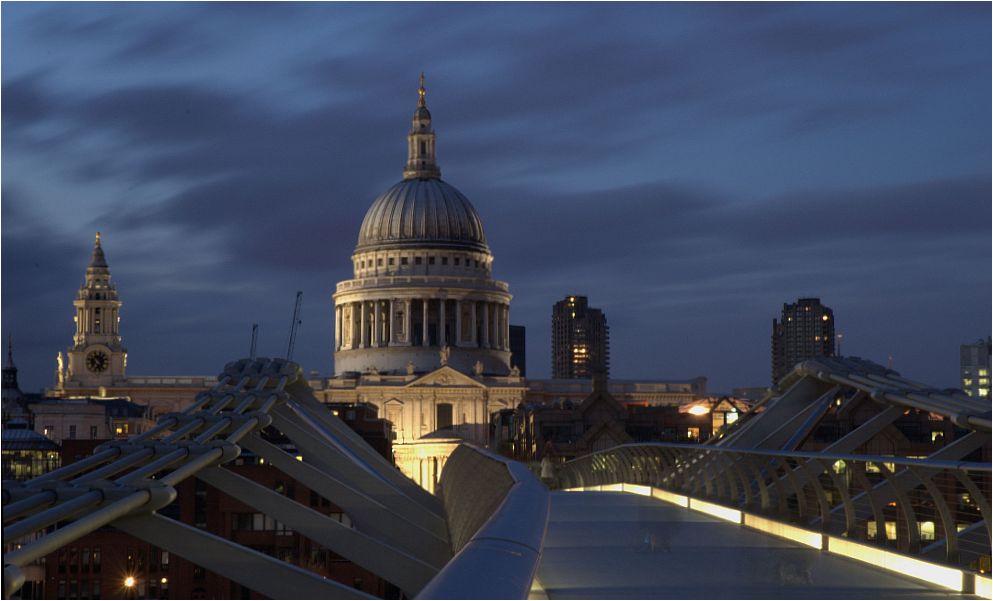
x: 742, y: 171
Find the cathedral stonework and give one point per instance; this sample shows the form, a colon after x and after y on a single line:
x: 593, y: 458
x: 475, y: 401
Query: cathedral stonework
x: 422, y: 290
x: 97, y: 356
x: 422, y: 330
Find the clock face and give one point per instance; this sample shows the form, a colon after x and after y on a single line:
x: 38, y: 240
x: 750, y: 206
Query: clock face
x: 97, y: 361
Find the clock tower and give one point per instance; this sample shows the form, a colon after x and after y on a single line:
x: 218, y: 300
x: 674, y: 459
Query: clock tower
x: 97, y: 357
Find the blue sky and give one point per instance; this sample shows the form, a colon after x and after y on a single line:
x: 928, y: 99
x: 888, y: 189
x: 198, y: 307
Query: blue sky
x: 689, y: 167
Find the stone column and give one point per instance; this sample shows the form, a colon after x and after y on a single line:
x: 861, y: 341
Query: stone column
x: 392, y: 321
x: 363, y: 330
x: 506, y: 327
x: 408, y: 307
x: 486, y: 325
x: 426, y: 340
x: 441, y: 322
x: 337, y: 327
x: 377, y: 325
x: 458, y: 322
x: 472, y: 320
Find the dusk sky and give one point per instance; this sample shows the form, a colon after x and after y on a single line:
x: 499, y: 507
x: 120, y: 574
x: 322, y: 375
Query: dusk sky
x: 688, y: 167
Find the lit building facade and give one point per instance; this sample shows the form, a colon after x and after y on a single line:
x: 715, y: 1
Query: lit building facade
x: 806, y: 330
x: 580, y: 339
x: 422, y: 330
x: 974, y: 363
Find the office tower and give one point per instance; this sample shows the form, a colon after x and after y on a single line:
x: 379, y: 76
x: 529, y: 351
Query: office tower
x: 974, y: 360
x: 518, y: 353
x: 580, y: 339
x: 805, y: 331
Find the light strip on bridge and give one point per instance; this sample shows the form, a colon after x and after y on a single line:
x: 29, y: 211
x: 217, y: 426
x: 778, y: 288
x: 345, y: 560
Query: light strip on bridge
x: 797, y: 535
x: 949, y: 578
x: 671, y: 497
x: 638, y: 489
x: 984, y: 587
x: 718, y: 511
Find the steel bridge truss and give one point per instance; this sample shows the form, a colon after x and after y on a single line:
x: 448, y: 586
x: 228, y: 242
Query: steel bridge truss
x: 399, y: 530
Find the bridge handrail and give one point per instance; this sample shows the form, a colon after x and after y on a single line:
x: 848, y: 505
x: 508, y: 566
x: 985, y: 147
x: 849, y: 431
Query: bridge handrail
x: 496, y: 556
x: 934, y: 509
x: 904, y: 461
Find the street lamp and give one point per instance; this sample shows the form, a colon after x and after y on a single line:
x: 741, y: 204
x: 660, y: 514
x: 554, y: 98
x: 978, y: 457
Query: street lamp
x: 129, y: 582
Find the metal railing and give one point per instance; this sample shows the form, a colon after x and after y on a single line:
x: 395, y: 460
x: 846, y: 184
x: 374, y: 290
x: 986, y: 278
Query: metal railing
x: 936, y: 510
x: 497, y: 514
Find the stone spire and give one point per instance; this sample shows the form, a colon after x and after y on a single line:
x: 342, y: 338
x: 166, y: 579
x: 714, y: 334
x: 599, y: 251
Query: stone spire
x: 421, y: 162
x: 9, y: 369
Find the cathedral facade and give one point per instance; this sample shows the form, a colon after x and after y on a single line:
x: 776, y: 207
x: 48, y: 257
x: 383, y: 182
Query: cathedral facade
x: 422, y: 330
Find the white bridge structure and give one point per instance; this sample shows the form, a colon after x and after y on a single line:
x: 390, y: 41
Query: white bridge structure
x: 484, y: 532
x: 746, y: 515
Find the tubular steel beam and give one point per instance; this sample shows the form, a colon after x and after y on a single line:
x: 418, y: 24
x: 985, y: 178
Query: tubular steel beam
x: 263, y: 574
x: 366, y: 513
x: 396, y: 566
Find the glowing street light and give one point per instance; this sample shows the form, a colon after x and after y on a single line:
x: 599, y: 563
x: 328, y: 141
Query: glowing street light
x: 129, y: 582
x: 699, y: 410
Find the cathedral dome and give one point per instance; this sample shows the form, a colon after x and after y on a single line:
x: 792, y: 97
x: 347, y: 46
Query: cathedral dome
x: 422, y: 213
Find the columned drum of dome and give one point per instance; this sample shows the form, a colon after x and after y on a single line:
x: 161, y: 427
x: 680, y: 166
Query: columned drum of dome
x: 422, y: 294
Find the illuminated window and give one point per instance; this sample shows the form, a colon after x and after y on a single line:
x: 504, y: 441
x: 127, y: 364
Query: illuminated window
x: 984, y: 392
x: 890, y: 530
x: 984, y: 372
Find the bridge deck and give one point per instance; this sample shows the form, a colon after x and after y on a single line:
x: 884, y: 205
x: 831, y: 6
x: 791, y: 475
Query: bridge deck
x: 622, y: 546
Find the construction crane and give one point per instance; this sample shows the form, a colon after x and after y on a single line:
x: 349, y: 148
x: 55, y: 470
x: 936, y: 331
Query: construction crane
x: 255, y: 340
x: 293, y: 326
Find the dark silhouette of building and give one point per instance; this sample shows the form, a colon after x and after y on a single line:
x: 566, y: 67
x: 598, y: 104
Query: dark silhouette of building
x: 518, y: 353
x: 805, y: 331
x: 580, y: 339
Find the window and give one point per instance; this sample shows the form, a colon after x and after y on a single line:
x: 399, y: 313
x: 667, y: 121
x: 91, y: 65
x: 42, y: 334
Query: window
x: 72, y: 432
x: 403, y: 260
x: 444, y: 416
x: 444, y: 260
x: 392, y: 260
x: 456, y: 261
x: 93, y: 432
x: 48, y: 430
x: 96, y: 562
x: 379, y: 262
x: 418, y: 260
x: 430, y: 260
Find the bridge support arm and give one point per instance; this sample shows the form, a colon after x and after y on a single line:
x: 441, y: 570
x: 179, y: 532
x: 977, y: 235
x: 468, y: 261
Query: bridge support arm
x: 367, y: 514
x: 408, y: 573
x: 261, y: 573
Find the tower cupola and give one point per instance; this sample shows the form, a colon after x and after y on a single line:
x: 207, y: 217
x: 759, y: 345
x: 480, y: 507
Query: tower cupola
x: 421, y: 161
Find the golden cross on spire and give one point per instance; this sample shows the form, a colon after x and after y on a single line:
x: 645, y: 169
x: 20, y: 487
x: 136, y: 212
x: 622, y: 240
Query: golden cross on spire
x: 421, y: 91
x: 98, y: 238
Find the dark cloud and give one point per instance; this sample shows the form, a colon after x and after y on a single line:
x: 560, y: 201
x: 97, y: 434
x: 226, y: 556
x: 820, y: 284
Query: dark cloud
x: 690, y: 168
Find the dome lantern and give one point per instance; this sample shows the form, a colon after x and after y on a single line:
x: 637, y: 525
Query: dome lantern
x: 421, y: 161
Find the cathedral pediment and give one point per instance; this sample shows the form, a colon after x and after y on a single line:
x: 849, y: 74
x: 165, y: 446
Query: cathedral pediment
x: 445, y: 376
